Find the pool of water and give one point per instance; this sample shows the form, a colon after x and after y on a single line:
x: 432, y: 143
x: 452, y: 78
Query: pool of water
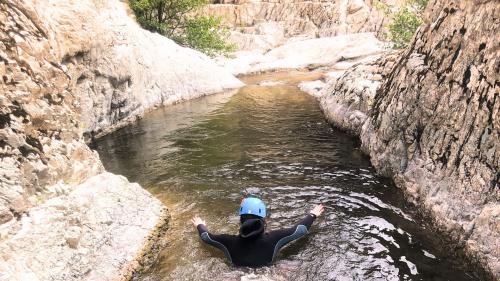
x: 271, y: 140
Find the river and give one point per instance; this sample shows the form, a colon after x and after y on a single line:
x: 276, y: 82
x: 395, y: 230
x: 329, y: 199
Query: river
x: 271, y: 140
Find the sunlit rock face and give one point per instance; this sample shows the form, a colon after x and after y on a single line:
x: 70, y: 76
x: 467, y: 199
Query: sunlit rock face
x: 69, y: 69
x: 42, y: 150
x: 309, y: 53
x: 430, y: 118
x: 96, y: 231
x: 267, y: 24
x: 288, y: 34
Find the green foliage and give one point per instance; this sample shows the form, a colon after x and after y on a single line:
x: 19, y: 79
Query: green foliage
x: 177, y: 19
x: 418, y: 4
x: 404, y: 20
x: 403, y: 26
x: 382, y: 7
x: 206, y: 33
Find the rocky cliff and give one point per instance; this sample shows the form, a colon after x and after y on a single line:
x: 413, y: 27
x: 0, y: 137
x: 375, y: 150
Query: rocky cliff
x: 288, y: 34
x: 429, y: 117
x: 69, y: 68
x: 265, y: 24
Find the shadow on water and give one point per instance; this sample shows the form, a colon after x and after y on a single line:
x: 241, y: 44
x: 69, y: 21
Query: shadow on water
x: 204, y: 155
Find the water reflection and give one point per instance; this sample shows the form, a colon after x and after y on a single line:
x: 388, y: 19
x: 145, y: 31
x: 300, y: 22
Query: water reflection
x: 204, y: 155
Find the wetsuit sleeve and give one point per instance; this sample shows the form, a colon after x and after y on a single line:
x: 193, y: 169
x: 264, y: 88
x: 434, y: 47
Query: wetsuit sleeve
x: 214, y: 240
x: 307, y: 221
x: 287, y: 235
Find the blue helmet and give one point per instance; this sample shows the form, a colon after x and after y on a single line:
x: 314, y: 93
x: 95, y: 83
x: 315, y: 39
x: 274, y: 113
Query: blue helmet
x: 253, y: 206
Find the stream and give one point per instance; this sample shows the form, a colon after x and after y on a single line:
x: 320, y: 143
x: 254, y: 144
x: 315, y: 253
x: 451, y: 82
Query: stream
x: 271, y: 140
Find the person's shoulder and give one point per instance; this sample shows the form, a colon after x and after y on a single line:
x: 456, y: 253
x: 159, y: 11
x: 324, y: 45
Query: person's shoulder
x: 276, y: 232
x: 225, y: 236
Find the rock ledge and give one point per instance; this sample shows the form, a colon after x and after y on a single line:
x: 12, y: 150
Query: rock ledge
x: 95, y: 232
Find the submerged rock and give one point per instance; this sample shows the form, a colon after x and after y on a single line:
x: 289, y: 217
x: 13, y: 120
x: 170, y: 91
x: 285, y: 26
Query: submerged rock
x: 429, y: 118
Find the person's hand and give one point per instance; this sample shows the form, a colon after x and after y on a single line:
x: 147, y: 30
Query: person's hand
x: 196, y: 220
x: 318, y: 210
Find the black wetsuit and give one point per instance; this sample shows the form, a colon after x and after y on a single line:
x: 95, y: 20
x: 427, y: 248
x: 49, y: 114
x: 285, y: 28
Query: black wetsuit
x: 253, y: 247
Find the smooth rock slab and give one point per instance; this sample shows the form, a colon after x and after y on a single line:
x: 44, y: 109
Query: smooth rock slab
x: 93, y: 233
x: 310, y: 53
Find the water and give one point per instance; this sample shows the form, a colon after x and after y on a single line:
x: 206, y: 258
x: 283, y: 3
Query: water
x: 202, y: 156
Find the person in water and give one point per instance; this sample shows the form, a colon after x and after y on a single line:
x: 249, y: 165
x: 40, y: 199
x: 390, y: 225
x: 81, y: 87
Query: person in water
x: 253, y: 246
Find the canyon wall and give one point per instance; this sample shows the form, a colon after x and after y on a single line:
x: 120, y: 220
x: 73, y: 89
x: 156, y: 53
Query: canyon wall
x: 265, y: 24
x: 69, y: 69
x: 289, y: 34
x: 429, y: 117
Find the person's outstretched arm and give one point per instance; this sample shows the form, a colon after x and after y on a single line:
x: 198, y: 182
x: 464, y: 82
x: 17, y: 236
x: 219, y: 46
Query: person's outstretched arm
x: 214, y: 240
x: 287, y: 235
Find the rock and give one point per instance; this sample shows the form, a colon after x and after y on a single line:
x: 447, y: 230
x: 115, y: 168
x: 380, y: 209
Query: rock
x: 348, y: 97
x: 83, y: 69
x: 72, y: 236
x: 2, y: 69
x: 261, y: 37
x: 241, y: 62
x: 5, y: 214
x: 104, y: 223
x: 429, y: 118
x: 312, y: 53
x: 302, y: 19
x: 254, y: 277
x: 312, y: 87
x: 70, y: 69
x: 125, y: 70
x: 355, y: 6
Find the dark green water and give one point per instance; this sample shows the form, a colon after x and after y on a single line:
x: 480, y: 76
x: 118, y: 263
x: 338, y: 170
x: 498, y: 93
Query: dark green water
x: 203, y: 156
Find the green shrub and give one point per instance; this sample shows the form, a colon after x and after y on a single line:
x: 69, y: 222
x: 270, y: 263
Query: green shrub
x: 403, y: 26
x: 206, y: 33
x: 419, y: 4
x: 404, y: 20
x: 177, y: 19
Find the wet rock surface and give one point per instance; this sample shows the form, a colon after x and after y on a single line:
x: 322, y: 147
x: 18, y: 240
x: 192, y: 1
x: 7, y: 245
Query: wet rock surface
x: 429, y: 118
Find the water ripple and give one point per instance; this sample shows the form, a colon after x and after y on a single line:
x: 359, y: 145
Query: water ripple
x: 204, y: 156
